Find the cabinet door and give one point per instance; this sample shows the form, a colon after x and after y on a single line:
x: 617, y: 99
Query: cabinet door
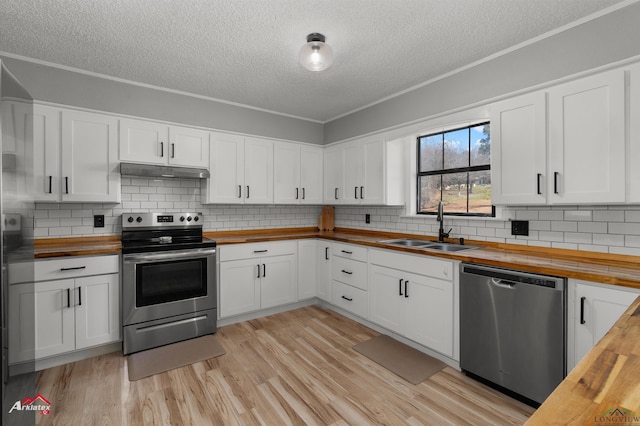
x: 226, y: 185
x: 333, y: 175
x: 387, y: 298
x: 634, y: 133
x: 45, y: 125
x: 42, y: 320
x: 323, y: 265
x: 596, y: 310
x: 239, y: 287
x: 372, y: 188
x: 188, y: 147
x: 286, y: 174
x: 258, y: 171
x: 97, y: 304
x: 278, y: 282
x: 307, y: 275
x: 143, y: 141
x: 587, y: 140
x: 89, y: 157
x: 353, y: 173
x: 518, y: 155
x: 311, y: 175
x: 429, y: 313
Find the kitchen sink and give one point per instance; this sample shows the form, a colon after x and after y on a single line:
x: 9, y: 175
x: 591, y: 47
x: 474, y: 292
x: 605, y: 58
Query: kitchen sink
x: 448, y: 247
x: 431, y: 245
x: 406, y: 242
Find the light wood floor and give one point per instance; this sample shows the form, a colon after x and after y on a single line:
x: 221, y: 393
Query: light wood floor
x: 291, y: 368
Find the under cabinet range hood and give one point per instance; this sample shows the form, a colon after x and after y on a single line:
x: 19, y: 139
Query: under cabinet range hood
x: 154, y: 170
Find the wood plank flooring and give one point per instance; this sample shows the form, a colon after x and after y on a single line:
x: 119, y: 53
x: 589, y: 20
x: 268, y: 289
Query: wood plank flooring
x: 292, y: 368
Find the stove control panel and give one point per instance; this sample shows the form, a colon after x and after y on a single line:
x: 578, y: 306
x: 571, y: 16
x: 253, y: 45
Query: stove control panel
x: 154, y: 220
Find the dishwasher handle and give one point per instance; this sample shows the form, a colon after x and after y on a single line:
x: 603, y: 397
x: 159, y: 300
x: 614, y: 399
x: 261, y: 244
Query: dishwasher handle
x: 503, y: 283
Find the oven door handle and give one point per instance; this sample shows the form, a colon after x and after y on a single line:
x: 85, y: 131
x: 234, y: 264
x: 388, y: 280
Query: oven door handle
x: 167, y: 255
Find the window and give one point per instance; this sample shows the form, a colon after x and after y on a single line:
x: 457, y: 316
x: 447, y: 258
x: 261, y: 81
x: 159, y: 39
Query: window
x: 455, y: 167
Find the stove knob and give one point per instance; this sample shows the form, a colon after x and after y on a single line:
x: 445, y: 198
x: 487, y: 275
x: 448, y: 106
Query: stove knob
x: 197, y: 218
x: 138, y: 219
x: 188, y: 218
x: 181, y: 218
x: 130, y: 219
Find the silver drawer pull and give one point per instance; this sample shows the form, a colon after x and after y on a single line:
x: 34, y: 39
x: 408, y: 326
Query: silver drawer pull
x: 73, y: 269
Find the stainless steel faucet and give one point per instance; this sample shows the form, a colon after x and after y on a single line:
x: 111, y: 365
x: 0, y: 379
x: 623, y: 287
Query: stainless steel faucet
x: 440, y: 218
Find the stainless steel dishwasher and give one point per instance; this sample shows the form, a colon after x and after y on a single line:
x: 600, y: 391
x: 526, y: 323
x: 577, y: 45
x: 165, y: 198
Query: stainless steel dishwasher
x: 513, y: 329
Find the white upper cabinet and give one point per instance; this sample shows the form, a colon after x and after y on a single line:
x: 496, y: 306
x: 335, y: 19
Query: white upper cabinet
x: 297, y: 174
x: 370, y: 173
x: 564, y: 145
x: 333, y: 174
x: 156, y: 143
x: 241, y: 170
x: 634, y: 134
x: 518, y: 155
x: 587, y: 140
x: 75, y: 156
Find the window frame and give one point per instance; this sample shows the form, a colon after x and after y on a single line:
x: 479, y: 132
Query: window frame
x: 443, y: 171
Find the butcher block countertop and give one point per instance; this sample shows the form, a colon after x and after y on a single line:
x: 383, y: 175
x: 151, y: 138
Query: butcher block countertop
x: 604, y: 268
x: 604, y: 388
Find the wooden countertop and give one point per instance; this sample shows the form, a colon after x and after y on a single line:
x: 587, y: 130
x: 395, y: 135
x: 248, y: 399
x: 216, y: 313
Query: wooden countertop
x: 604, y: 268
x: 604, y: 388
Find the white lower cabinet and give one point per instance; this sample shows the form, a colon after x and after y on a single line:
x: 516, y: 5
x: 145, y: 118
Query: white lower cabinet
x: 413, y: 296
x: 349, y: 278
x: 307, y: 274
x: 323, y: 270
x: 257, y: 276
x: 593, y: 309
x: 73, y: 310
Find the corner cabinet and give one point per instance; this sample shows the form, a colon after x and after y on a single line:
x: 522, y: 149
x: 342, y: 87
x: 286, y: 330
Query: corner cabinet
x: 592, y: 311
x: 414, y: 297
x: 241, y: 170
x: 585, y: 162
x: 297, y: 174
x: 364, y: 171
x: 75, y: 156
x: 256, y: 276
x: 73, y: 304
x: 156, y: 143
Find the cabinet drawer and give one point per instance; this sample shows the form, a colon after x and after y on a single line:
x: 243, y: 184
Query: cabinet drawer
x: 349, y: 272
x: 350, y: 298
x: 68, y: 267
x: 350, y: 251
x: 255, y: 250
x: 417, y: 264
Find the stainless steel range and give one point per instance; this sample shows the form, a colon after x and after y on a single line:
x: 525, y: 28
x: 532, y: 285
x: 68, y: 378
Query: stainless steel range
x: 168, y: 279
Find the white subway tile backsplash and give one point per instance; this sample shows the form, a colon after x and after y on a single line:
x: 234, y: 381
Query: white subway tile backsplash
x: 612, y: 229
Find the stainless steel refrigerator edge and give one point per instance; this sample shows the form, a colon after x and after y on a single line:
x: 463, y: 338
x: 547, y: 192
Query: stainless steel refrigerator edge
x: 513, y: 329
x: 16, y: 206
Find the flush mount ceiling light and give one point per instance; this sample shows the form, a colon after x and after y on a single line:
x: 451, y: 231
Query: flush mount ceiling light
x: 316, y: 55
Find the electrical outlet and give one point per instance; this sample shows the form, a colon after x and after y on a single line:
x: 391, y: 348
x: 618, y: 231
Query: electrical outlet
x: 98, y: 221
x: 520, y: 227
x: 367, y: 218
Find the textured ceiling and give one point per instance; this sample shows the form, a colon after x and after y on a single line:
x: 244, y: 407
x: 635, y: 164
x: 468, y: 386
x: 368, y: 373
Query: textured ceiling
x: 245, y: 51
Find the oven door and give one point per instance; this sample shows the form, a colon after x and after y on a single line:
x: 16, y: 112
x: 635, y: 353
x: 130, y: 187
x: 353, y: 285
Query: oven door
x: 165, y: 284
